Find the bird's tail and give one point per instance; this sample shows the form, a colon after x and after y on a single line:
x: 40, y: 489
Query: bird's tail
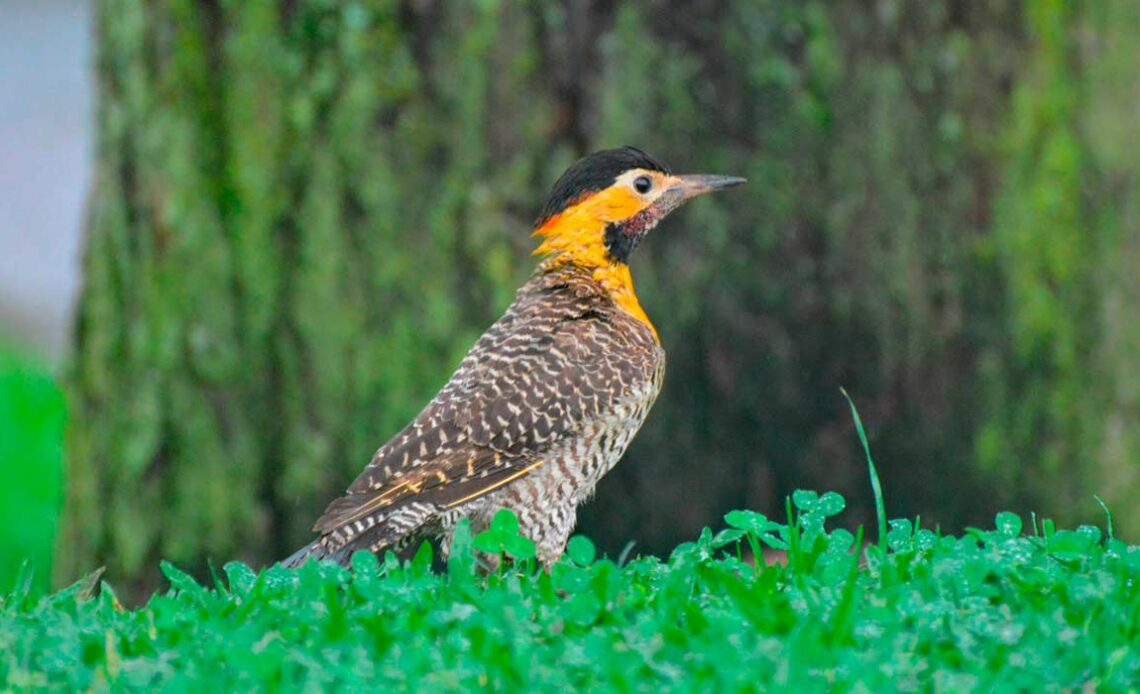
x: 315, y: 550
x: 388, y: 530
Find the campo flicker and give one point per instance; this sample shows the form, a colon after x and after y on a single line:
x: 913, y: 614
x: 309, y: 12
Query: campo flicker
x: 549, y: 397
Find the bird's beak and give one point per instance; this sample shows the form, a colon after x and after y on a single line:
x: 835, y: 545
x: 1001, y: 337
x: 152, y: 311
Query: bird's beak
x: 681, y: 189
x: 692, y: 185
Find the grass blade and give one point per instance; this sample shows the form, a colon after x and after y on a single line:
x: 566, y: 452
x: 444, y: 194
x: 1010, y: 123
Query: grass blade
x: 1107, y: 514
x: 876, y: 488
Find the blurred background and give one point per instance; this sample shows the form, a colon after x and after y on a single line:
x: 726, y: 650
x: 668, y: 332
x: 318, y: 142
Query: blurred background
x: 295, y: 216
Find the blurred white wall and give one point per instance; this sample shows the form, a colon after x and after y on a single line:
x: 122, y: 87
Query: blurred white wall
x: 45, y: 152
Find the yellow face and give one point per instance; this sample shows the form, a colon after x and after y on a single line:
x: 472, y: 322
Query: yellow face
x: 598, y: 231
x: 577, y: 235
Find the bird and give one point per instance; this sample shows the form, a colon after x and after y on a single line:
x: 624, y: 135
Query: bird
x: 548, y: 398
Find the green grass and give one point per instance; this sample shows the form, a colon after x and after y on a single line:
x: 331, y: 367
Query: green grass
x: 1023, y: 606
x: 1001, y: 608
x: 31, y: 450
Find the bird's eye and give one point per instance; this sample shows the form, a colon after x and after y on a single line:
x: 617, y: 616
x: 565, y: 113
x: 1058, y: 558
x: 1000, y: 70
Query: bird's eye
x: 642, y: 184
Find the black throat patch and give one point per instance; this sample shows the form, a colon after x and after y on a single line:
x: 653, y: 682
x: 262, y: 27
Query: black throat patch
x: 622, y: 237
x: 619, y: 245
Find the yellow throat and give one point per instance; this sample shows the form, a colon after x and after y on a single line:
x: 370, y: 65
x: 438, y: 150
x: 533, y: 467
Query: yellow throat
x: 577, y: 236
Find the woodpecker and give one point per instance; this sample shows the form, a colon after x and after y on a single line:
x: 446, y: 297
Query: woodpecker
x: 549, y: 397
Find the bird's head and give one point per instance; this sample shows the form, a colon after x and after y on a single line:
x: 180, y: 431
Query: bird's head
x: 605, y: 204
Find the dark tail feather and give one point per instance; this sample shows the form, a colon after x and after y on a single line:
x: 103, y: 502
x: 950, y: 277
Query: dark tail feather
x: 315, y: 550
x: 390, y: 531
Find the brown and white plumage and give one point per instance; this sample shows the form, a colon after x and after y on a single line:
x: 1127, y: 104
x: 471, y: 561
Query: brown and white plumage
x: 548, y: 398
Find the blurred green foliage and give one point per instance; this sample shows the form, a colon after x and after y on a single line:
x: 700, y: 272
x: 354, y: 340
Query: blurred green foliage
x: 32, y: 416
x: 1061, y: 389
x: 1024, y: 607
x: 305, y: 212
